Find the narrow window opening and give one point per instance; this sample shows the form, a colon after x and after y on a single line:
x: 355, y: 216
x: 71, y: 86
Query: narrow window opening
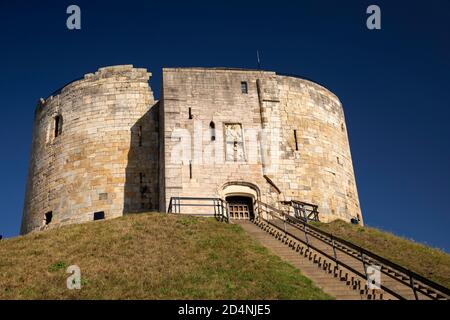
x: 244, y: 87
x: 296, y: 141
x: 141, y: 178
x: 212, y: 127
x: 99, y: 215
x: 342, y: 127
x: 140, y: 136
x: 58, y: 126
x: 190, y: 114
x: 48, y: 217
x: 190, y: 169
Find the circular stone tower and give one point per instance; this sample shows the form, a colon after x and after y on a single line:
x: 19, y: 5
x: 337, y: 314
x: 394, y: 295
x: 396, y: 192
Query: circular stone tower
x: 94, y: 150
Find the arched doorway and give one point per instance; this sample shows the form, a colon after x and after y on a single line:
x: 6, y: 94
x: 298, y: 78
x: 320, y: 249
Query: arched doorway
x: 240, y: 197
x: 240, y: 207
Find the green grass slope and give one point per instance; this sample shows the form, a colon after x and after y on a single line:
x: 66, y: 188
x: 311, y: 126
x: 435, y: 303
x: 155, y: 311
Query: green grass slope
x: 431, y: 263
x: 148, y: 256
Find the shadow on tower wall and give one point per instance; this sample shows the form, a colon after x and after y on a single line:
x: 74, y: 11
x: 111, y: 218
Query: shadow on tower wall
x: 141, y: 191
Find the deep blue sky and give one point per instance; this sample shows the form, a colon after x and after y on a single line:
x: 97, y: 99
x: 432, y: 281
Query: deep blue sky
x: 394, y: 83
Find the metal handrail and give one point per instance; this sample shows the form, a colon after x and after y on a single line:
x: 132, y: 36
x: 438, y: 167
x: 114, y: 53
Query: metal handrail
x: 363, y: 256
x: 310, y: 246
x: 219, y: 205
x: 304, y: 210
x: 392, y: 265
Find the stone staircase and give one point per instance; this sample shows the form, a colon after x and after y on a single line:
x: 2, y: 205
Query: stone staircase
x: 352, y: 258
x: 330, y: 284
x: 316, y: 262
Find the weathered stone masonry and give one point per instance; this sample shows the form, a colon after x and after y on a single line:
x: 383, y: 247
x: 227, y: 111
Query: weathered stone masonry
x: 114, y: 149
x: 96, y: 163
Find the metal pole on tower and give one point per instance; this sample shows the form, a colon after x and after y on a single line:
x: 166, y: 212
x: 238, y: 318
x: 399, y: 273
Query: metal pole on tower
x: 258, y: 60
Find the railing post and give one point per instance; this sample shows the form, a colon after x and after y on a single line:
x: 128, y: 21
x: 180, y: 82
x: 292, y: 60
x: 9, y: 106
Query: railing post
x: 219, y: 212
x: 306, y: 235
x: 363, y: 262
x: 411, y: 281
x: 227, y: 212
x: 305, y: 215
x: 174, y: 205
x: 334, y: 250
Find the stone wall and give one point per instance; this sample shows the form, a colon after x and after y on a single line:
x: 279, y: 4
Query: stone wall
x: 316, y: 164
x: 211, y: 95
x: 297, y: 126
x: 106, y: 155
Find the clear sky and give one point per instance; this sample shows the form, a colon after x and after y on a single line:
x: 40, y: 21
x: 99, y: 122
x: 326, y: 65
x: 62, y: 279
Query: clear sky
x: 394, y: 82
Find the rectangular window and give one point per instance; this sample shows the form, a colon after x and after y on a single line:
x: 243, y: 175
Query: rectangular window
x: 295, y: 139
x: 190, y: 114
x: 99, y: 215
x: 244, y: 87
x: 234, y: 142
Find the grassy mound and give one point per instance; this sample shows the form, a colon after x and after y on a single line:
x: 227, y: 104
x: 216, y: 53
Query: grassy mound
x: 148, y: 256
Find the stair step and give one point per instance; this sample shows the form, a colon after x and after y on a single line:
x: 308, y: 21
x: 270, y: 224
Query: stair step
x: 322, y: 270
x: 280, y: 246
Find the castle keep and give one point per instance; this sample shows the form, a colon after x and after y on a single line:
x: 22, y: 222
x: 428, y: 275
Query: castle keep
x: 104, y: 147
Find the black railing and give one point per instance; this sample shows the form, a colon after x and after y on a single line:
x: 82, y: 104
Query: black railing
x: 304, y: 210
x: 281, y: 220
x: 214, y: 207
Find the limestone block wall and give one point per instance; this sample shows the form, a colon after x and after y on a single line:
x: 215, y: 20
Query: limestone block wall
x: 105, y: 155
x: 306, y: 156
x: 193, y: 98
x: 315, y: 161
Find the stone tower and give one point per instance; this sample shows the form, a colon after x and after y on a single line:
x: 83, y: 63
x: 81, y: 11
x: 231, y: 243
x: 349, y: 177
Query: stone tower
x: 103, y: 147
x: 94, y: 150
